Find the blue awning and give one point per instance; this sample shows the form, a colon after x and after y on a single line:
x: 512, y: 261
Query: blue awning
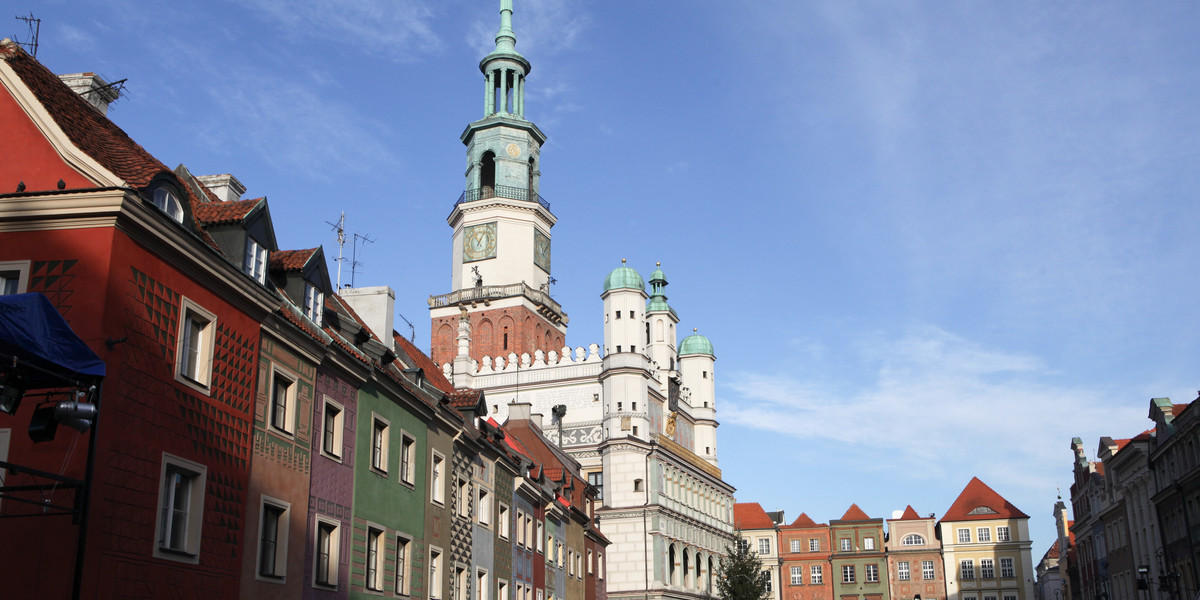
x: 33, y: 331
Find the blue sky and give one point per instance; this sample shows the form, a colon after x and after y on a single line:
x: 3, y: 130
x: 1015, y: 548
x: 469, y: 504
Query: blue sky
x: 929, y: 241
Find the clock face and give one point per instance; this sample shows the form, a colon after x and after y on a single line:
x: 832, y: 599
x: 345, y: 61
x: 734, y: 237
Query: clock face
x: 541, y: 250
x: 479, y: 242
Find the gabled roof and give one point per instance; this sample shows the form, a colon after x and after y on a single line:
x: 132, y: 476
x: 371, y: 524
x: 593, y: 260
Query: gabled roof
x: 419, y: 360
x: 909, y: 514
x: 1053, y: 552
x: 750, y: 515
x: 291, y: 260
x: 802, y: 521
x: 979, y: 502
x: 854, y: 513
x: 87, y: 129
x: 467, y: 399
x: 225, y: 213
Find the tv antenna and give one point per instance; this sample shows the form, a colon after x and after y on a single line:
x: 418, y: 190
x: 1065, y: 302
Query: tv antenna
x: 35, y: 27
x: 354, y: 264
x: 340, y: 228
x: 413, y: 335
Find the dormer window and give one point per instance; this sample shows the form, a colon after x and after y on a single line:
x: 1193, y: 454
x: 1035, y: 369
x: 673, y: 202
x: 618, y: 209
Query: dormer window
x: 255, y: 263
x: 168, y: 203
x: 314, y: 301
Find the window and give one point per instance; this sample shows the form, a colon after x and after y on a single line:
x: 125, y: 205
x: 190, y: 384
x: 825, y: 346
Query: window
x: 1002, y: 534
x: 435, y: 573
x: 328, y: 544
x: 331, y: 429
x: 797, y: 575
x: 845, y: 544
x: 460, y: 583
x: 591, y: 567
x: 766, y: 577
x: 902, y: 572
x: 927, y: 569
x: 596, y: 480
x: 637, y: 483
x: 913, y: 539
x: 255, y: 262
x: 869, y: 543
x: 745, y: 544
x: 600, y: 565
x: 989, y: 597
x: 794, y: 545
x: 983, y: 534
x: 484, y: 508
x: 379, y: 444
x: 987, y: 568
x: 814, y: 545
x: 168, y: 203
x: 964, y: 536
x: 815, y: 576
x: 436, y: 493
x: 1010, y: 597
x: 502, y: 522
x: 502, y: 590
x: 181, y: 508
x: 1006, y: 568
x: 403, y: 549
x: 462, y: 498
x: 408, y: 450
x: 539, y: 536
x: 193, y: 356
x: 374, y: 575
x: 272, y: 539
x: 570, y: 562
x: 764, y: 546
x: 14, y: 277
x: 314, y: 303
x: 481, y: 585
x: 968, y: 569
x: 847, y: 573
x: 872, y: 573
x: 283, y: 402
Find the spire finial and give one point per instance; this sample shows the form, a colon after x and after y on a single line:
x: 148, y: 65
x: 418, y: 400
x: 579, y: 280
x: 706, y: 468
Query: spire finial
x: 622, y: 261
x: 658, y: 263
x: 506, y: 40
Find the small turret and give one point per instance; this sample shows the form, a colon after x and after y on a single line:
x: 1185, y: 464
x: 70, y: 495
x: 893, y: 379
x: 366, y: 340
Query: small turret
x: 696, y: 362
x: 624, y: 310
x: 660, y: 322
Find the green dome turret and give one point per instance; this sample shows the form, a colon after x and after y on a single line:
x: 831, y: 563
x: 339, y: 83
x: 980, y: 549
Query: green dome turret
x: 624, y: 277
x: 696, y: 344
x: 658, y: 295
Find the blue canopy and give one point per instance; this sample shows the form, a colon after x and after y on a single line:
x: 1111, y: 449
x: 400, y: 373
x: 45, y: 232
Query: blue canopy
x: 32, y: 330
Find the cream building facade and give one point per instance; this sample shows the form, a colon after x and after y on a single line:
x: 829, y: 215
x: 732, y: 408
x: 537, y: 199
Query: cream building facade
x: 986, y: 547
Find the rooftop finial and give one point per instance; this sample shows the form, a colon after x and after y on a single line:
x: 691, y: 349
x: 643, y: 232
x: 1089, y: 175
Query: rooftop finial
x: 506, y: 40
x: 622, y: 261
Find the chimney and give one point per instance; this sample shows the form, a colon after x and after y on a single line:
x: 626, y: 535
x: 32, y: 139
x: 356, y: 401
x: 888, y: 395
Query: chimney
x: 377, y: 307
x: 91, y: 87
x: 226, y: 187
x: 519, y: 411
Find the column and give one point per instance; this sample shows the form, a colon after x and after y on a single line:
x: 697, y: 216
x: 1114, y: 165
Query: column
x: 503, y: 90
x: 489, y: 94
x: 519, y: 96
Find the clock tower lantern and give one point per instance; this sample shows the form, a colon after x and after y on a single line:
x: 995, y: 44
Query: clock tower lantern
x: 500, y: 265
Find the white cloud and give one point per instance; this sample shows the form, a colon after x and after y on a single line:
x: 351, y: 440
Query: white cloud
x: 394, y: 29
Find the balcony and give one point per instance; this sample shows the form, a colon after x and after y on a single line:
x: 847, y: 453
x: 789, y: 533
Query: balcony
x: 502, y: 191
x: 553, y: 310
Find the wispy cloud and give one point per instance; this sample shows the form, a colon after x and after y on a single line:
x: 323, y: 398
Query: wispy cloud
x: 935, y: 402
x: 395, y: 29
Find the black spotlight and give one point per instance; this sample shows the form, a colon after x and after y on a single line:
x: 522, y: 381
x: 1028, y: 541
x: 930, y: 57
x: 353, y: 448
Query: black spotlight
x: 11, y: 391
x: 43, y: 425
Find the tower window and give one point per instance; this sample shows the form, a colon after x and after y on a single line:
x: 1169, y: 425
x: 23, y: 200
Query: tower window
x: 618, y: 314
x: 618, y: 348
x: 487, y: 173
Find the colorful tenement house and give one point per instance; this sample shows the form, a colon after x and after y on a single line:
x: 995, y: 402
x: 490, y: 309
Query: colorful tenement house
x: 986, y: 547
x: 638, y: 413
x: 857, y: 562
x: 914, y: 557
x: 804, y: 548
x: 760, y: 533
x: 258, y: 437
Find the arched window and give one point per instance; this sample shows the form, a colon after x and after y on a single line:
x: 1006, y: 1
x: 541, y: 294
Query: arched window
x: 487, y: 175
x: 671, y: 566
x: 913, y: 539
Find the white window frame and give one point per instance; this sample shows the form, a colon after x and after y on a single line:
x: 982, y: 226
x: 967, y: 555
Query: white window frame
x: 339, y: 427
x: 964, y: 535
x: 868, y: 543
x: 1003, y: 534
x: 502, y: 589
x: 166, y: 201
x: 846, y: 544
x: 913, y: 539
x: 314, y: 303
x: 380, y: 443
x: 816, y: 574
x: 847, y: 573
x: 928, y: 573
x: 197, y: 475
x: 482, y: 587
x: 435, y: 571
x: 198, y: 375
x: 1007, y: 569
x: 987, y: 568
x: 483, y: 506
x: 797, y: 574
x: 334, y: 554
x: 403, y: 565
x: 255, y: 260
x: 538, y: 526
x: 983, y: 534
x: 814, y: 544
x: 14, y: 270
x: 408, y: 459
x: 502, y: 520
x: 764, y: 545
x: 966, y: 569
x: 794, y: 546
x: 289, y: 401
x: 277, y: 571
x: 437, y: 478
x: 462, y: 498
x: 903, y: 573
x: 872, y: 573
x: 374, y: 565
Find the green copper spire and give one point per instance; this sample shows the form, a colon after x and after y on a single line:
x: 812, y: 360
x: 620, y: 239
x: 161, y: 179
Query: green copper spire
x: 506, y: 40
x: 504, y: 71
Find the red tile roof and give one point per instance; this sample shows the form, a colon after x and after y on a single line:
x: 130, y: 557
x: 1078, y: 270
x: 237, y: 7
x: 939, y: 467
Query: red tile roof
x: 89, y: 130
x: 803, y: 521
x: 854, y: 513
x: 464, y: 398
x: 291, y: 260
x: 909, y: 514
x: 223, y: 213
x: 978, y: 494
x: 750, y: 515
x: 422, y: 361
x: 1053, y: 552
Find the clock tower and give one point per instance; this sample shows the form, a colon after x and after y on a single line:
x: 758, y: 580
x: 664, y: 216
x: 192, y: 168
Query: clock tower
x: 500, y: 265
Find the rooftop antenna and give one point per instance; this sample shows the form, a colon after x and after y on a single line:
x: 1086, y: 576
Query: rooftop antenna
x: 354, y: 264
x: 35, y: 27
x: 413, y: 335
x: 340, y: 228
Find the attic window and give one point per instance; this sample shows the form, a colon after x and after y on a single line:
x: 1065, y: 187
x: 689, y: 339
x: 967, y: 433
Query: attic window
x: 314, y: 301
x: 982, y: 510
x: 168, y: 203
x: 255, y: 263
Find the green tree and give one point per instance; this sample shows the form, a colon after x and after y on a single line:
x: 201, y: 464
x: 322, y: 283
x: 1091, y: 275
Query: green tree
x: 740, y: 576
